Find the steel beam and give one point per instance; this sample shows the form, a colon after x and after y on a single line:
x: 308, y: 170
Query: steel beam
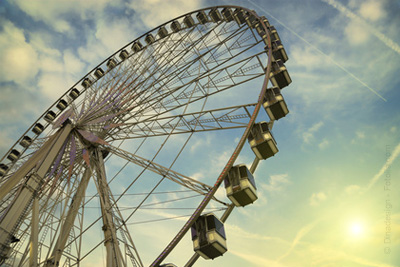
x: 15, y: 213
x: 114, y: 255
x: 76, y: 201
x: 33, y: 246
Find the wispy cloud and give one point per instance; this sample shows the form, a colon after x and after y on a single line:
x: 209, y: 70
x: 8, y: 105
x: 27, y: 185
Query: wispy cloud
x: 276, y: 182
x: 317, y: 198
x: 344, y: 10
x: 308, y: 135
x: 321, y: 52
x: 19, y: 59
x: 256, y: 259
x: 300, y: 234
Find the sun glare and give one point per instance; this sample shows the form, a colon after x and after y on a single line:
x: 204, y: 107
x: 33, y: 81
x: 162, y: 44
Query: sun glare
x: 356, y: 229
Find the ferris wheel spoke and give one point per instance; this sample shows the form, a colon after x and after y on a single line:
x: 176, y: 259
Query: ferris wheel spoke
x: 168, y: 173
x: 70, y: 216
x: 193, y: 58
x: 216, y: 82
x: 206, y: 85
x: 207, y: 120
x: 16, y: 212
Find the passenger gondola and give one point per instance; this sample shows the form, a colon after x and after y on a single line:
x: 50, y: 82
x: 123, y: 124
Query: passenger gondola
x: 74, y: 93
x: 62, y: 105
x: 26, y: 141
x: 38, y: 128
x: 240, y: 186
x: 274, y: 104
x: 261, y: 141
x: 279, y: 75
x: 50, y: 116
x: 208, y: 236
x: 3, y: 169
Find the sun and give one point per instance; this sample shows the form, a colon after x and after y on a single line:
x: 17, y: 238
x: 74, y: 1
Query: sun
x: 356, y: 229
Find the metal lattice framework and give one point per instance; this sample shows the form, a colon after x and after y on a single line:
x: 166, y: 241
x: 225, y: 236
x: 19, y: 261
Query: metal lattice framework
x: 116, y: 149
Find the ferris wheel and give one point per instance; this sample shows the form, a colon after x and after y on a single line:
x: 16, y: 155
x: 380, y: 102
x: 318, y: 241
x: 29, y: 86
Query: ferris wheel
x: 144, y: 139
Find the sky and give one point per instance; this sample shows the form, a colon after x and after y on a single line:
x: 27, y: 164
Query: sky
x: 330, y: 196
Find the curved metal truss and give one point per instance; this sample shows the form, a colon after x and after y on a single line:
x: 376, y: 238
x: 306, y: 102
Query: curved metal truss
x: 119, y: 151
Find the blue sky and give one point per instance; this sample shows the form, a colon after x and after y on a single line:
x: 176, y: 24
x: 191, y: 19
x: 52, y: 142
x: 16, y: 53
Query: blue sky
x: 339, y: 145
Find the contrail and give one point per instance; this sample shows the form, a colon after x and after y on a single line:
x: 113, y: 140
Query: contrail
x: 300, y: 234
x: 322, y: 53
x: 385, y: 166
x: 386, y: 40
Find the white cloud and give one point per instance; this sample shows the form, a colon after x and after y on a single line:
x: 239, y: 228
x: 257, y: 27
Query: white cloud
x: 356, y: 30
x: 50, y: 64
x: 352, y: 189
x: 48, y: 12
x: 256, y: 259
x: 317, y: 198
x: 300, y: 234
x: 72, y: 63
x: 19, y: 60
x: 324, y: 144
x: 53, y: 13
x: 372, y: 10
x: 308, y: 136
x: 156, y: 12
x: 348, y: 13
x: 53, y: 85
x: 356, y: 33
x: 359, y: 135
x: 276, y: 182
x: 114, y: 34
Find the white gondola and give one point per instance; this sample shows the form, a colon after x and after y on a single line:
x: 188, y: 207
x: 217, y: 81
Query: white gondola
x: 111, y: 63
x: 26, y: 141
x: 137, y: 46
x: 215, y: 15
x: 208, y: 236
x: 62, y: 105
x: 274, y: 104
x: 149, y: 39
x: 202, y: 17
x: 261, y: 141
x: 99, y: 72
x: 3, y: 169
x: 240, y: 186
x: 38, y: 128
x: 188, y: 21
x: 239, y: 17
x: 279, y: 75
x: 227, y: 14
x: 50, y: 116
x: 162, y: 32
x: 74, y: 93
x: 123, y: 55
x: 14, y: 155
x: 175, y: 26
x: 86, y: 83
